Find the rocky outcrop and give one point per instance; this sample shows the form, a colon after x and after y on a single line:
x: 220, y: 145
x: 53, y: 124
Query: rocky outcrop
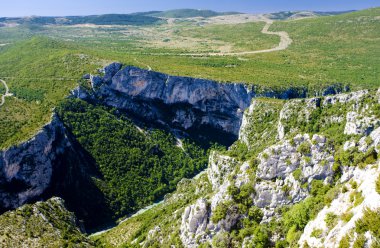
x: 52, y: 163
x: 283, y: 172
x: 194, y: 223
x: 286, y: 167
x: 348, y: 207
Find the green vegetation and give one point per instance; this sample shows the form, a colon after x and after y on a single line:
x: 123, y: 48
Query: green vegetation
x: 304, y: 148
x: 317, y: 233
x: 252, y: 39
x: 370, y: 222
x: 39, y: 72
x: 331, y: 220
x: 138, y: 168
x: 346, y: 217
x: 297, y: 216
x: 44, y: 224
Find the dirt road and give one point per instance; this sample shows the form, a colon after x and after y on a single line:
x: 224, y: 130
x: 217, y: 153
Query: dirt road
x: 284, y: 44
x: 6, y: 92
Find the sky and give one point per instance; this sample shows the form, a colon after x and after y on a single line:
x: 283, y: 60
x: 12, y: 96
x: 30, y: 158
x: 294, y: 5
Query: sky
x: 11, y: 8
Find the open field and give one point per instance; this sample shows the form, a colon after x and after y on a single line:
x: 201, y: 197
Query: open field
x: 42, y: 63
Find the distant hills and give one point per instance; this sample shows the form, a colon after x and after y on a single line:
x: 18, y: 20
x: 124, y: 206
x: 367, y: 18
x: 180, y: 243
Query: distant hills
x: 142, y: 18
x: 146, y: 18
x: 289, y: 15
x: 109, y: 19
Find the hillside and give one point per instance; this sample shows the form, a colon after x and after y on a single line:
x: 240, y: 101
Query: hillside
x: 304, y: 172
x: 46, y: 224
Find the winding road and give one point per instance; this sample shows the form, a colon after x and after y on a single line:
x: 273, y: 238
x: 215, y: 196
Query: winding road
x: 284, y: 44
x: 6, y: 92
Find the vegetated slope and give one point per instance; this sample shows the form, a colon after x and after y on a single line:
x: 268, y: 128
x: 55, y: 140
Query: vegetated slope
x: 43, y: 224
x: 39, y: 72
x: 138, y: 166
x: 304, y: 172
x: 187, y: 13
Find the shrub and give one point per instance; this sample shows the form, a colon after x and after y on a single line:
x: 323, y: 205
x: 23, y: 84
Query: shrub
x: 359, y: 241
x: 219, y: 212
x: 369, y: 222
x: 347, y: 216
x: 297, y: 174
x: 222, y: 240
x: 345, y: 242
x: 357, y: 198
x: 293, y: 236
x: 317, y: 233
x: 331, y: 220
x: 255, y: 214
x: 304, y: 148
x: 261, y: 237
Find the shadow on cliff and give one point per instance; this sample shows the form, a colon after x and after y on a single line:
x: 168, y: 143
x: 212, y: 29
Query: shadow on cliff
x: 73, y: 180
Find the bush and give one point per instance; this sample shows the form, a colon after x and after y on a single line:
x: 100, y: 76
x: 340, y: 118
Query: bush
x: 304, y: 148
x: 261, y: 237
x: 317, y: 233
x: 293, y: 236
x: 297, y: 174
x: 220, y: 212
x: 369, y: 222
x: 347, y: 216
x: 255, y: 214
x: 331, y: 220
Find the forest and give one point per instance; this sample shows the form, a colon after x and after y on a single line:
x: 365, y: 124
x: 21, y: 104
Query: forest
x: 139, y: 166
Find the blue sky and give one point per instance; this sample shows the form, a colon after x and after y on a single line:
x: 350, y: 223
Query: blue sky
x: 86, y: 7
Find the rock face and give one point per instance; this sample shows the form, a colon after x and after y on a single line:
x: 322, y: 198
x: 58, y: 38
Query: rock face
x: 284, y: 168
x: 202, y: 108
x: 27, y: 170
x: 331, y: 235
x: 194, y: 221
x: 50, y: 164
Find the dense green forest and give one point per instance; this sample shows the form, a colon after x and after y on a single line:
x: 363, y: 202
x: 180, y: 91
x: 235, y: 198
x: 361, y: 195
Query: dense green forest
x: 139, y: 167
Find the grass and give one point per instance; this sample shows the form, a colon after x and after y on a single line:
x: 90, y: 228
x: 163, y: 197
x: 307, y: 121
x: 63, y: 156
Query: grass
x: 242, y: 37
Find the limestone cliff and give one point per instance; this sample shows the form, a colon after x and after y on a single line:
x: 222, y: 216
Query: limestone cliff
x: 50, y: 164
x: 202, y: 108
